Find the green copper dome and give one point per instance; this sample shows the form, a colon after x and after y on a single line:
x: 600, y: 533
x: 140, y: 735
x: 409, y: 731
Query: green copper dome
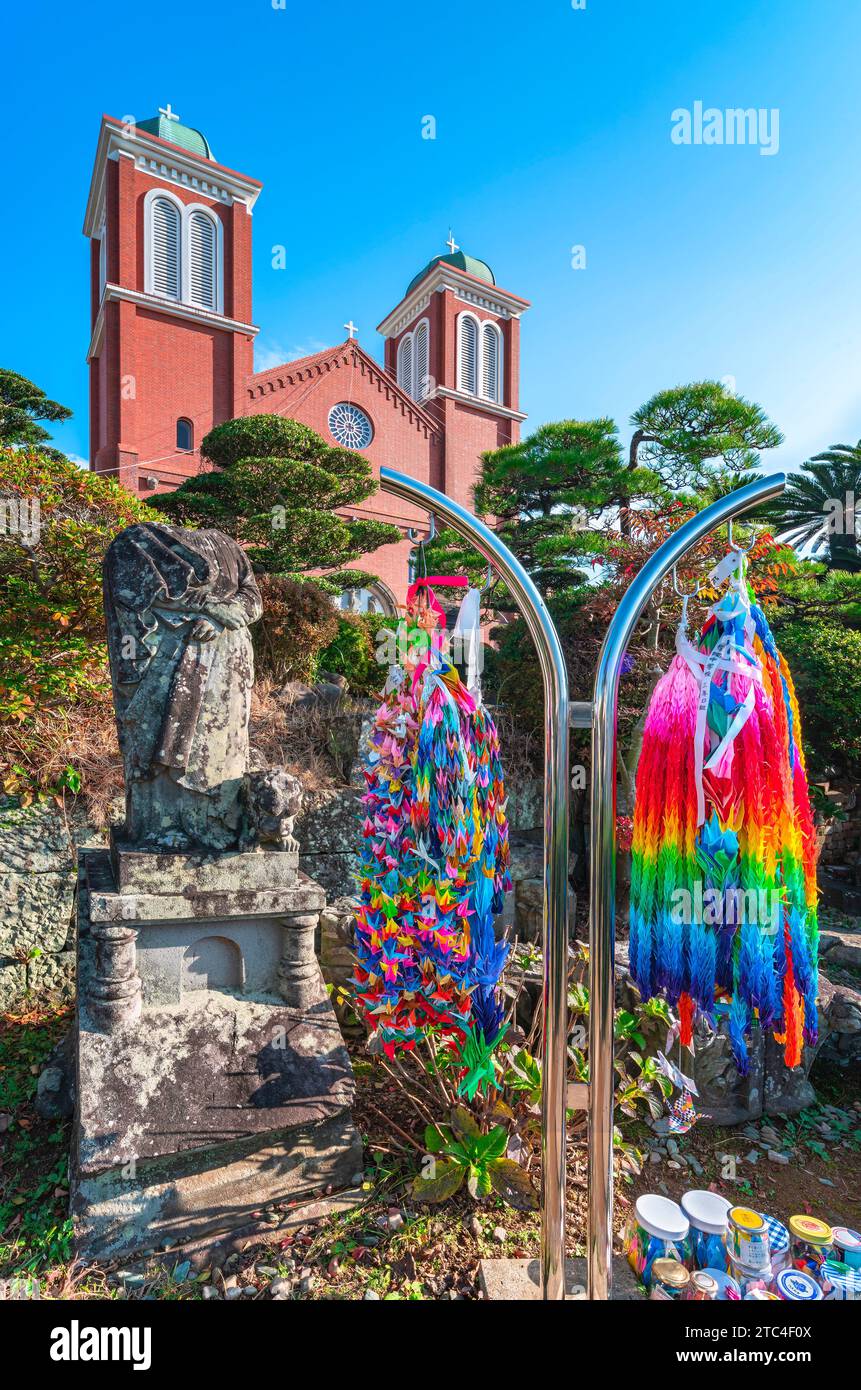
x: 460, y: 261
x: 168, y: 127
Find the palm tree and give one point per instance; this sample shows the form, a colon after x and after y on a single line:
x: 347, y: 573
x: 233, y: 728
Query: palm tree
x: 818, y: 505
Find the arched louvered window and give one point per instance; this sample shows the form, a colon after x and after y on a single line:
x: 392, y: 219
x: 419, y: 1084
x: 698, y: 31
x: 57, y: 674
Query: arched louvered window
x: 421, y: 361
x: 490, y: 362
x: 467, y: 354
x: 405, y: 363
x: 165, y: 266
x: 202, y: 261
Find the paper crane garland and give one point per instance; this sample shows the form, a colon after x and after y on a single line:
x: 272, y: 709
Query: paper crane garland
x: 435, y: 856
x: 723, y: 877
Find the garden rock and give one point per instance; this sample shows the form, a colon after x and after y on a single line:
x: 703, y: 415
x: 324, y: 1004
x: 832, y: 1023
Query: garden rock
x: 55, y: 1099
x: 770, y: 1088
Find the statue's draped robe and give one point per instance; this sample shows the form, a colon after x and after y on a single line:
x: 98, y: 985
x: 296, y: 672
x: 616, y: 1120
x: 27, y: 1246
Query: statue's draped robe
x: 182, y: 703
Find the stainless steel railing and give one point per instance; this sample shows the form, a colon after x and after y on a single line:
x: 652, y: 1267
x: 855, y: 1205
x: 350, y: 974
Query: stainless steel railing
x: 602, y: 868
x: 554, y: 1065
x: 598, y: 1095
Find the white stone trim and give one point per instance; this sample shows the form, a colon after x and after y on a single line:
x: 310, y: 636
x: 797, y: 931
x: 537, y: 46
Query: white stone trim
x: 164, y: 306
x: 479, y: 403
x: 462, y: 319
x: 482, y: 326
x: 185, y: 210
x: 466, y: 287
x: 178, y: 166
x: 404, y: 319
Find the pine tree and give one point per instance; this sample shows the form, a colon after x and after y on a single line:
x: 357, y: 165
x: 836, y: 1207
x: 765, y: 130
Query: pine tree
x: 277, y: 490
x: 546, y: 497
x: 22, y: 406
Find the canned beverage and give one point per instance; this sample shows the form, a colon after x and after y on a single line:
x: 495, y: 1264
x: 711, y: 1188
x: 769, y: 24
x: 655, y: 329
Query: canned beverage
x: 840, y: 1281
x: 778, y: 1244
x: 847, y: 1244
x: 657, y: 1230
x: 728, y: 1288
x: 670, y: 1280
x: 703, y: 1286
x: 707, y: 1215
x: 811, y: 1243
x: 747, y: 1238
x: 797, y: 1286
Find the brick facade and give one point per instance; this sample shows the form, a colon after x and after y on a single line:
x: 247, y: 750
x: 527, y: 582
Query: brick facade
x: 153, y: 362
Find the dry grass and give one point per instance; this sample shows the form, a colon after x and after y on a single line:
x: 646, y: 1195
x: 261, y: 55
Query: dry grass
x: 82, y: 737
x: 316, y: 742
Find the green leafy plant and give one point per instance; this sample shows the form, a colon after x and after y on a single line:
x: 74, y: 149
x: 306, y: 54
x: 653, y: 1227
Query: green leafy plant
x: 53, y: 656
x: 461, y: 1152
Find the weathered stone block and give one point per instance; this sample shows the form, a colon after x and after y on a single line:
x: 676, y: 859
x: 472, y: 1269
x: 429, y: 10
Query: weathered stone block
x: 106, y: 904
x: 142, y: 871
x: 336, y: 934
x: 201, y: 1110
x: 36, y: 911
x: 34, y: 839
x: 13, y: 983
x: 526, y: 804
x: 180, y: 1198
x: 53, y: 973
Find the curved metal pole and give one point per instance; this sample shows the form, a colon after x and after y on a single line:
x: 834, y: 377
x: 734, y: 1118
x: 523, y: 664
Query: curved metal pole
x: 553, y: 671
x: 602, y: 874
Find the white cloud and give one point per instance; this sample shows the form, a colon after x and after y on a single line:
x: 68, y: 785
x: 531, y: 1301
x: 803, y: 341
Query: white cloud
x: 269, y: 353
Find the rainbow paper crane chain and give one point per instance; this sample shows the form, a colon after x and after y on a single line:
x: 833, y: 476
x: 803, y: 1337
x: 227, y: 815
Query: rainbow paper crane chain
x: 723, y: 875
x: 435, y: 855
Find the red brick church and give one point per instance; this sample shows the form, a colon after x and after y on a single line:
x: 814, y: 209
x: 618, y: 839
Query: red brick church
x: 172, y: 346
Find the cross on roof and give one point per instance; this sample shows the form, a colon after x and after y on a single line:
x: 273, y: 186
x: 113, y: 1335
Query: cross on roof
x: 167, y: 113
x: 351, y: 328
x: 451, y: 243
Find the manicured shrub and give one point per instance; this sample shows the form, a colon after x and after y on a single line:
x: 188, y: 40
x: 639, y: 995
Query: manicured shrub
x: 299, y: 621
x: 826, y: 668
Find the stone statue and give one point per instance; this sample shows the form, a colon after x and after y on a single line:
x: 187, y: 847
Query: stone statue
x: 273, y: 800
x: 178, y: 605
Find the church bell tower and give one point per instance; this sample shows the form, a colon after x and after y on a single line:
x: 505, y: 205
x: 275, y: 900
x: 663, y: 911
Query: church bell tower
x: 453, y: 343
x: 171, y: 344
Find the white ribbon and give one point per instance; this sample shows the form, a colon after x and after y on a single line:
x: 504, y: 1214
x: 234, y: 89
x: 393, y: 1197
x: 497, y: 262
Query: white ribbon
x: 703, y: 668
x: 468, y: 628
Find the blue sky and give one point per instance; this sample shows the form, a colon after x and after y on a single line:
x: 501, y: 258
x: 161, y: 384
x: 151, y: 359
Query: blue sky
x: 553, y: 130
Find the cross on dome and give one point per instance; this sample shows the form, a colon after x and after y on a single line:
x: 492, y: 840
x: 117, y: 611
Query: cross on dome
x: 167, y: 113
x: 451, y: 243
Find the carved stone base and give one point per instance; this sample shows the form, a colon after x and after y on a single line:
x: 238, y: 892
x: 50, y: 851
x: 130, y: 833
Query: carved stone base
x: 211, y: 1073
x: 181, y: 1197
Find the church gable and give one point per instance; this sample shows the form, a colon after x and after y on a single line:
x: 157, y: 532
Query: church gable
x: 343, y: 373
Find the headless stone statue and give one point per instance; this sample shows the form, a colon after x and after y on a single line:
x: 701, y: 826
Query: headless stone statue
x: 178, y: 605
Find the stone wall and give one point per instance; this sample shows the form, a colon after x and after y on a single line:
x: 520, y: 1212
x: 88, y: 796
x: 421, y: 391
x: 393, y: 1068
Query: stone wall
x: 38, y: 851
x: 37, y: 892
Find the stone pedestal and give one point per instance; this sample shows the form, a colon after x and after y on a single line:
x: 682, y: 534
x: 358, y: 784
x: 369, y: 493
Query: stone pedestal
x: 212, y: 1076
